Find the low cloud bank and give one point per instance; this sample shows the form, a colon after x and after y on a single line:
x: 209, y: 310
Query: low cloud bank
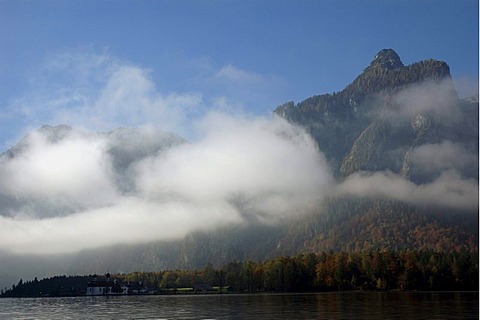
x: 450, y: 190
x: 79, y: 189
x: 445, y: 155
x: 437, y: 100
x: 64, y: 196
x: 433, y: 112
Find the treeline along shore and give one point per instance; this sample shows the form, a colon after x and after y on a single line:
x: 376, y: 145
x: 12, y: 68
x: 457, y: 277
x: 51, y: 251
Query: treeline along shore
x: 333, y: 271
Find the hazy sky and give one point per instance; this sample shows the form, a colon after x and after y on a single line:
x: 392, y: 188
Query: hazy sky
x: 192, y: 56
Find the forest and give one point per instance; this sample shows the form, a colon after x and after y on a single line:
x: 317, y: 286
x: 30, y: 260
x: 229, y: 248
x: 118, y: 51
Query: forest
x: 334, y: 271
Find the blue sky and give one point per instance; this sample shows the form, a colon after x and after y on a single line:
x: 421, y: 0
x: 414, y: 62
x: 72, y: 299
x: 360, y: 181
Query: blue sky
x: 95, y: 64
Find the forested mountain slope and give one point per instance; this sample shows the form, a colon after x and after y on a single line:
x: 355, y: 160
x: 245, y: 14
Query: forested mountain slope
x: 394, y: 124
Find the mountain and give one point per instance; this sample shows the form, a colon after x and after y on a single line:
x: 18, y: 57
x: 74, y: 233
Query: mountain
x: 403, y: 148
x: 370, y: 125
x: 392, y: 120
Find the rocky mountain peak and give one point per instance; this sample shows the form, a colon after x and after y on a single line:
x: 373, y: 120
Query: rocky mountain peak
x: 353, y: 139
x: 387, y: 58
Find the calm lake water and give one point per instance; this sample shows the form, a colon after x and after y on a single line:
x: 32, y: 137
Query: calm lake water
x: 370, y: 305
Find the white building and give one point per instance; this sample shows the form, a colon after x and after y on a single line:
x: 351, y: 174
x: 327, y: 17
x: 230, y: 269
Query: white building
x: 103, y: 287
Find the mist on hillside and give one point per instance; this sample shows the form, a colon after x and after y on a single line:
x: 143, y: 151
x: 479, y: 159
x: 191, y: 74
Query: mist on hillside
x: 449, y: 169
x: 93, y: 186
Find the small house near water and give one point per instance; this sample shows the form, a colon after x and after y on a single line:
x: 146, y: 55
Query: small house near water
x: 105, y: 286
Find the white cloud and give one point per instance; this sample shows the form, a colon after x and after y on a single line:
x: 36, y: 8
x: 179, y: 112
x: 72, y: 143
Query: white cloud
x: 437, y: 99
x: 443, y: 156
x: 255, y: 92
x: 232, y: 73
x: 85, y: 190
x: 129, y: 98
x: 66, y: 196
x: 99, y: 92
x: 450, y: 190
x: 269, y: 166
x: 66, y: 174
x: 74, y: 193
x: 130, y: 220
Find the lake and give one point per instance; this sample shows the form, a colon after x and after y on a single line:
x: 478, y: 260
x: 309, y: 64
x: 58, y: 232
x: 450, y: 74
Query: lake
x: 346, y: 305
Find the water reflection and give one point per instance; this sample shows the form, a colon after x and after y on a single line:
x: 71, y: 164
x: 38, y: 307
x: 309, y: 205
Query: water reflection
x: 359, y: 305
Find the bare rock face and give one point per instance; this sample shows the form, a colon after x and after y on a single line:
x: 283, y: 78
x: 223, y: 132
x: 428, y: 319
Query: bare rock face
x: 387, y: 58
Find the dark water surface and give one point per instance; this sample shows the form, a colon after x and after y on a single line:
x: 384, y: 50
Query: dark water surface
x: 348, y: 305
